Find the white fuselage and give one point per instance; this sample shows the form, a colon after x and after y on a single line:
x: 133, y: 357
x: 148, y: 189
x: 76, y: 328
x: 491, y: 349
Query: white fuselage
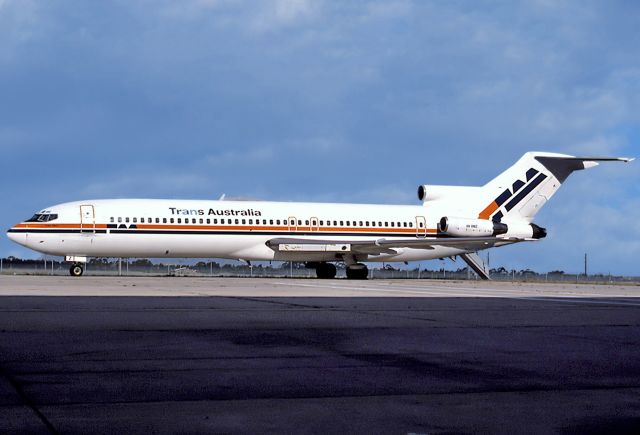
x: 156, y: 228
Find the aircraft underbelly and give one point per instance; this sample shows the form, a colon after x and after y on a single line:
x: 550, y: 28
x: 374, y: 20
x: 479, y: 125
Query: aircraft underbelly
x: 246, y: 247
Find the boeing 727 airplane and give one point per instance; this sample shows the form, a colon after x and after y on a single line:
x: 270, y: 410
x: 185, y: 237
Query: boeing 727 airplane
x: 452, y: 221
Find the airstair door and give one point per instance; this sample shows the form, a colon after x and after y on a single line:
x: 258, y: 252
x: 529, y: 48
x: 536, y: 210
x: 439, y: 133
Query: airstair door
x: 87, y: 219
x: 421, y: 227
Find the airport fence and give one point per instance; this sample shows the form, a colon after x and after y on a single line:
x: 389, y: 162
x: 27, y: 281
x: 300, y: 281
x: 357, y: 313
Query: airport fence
x: 143, y: 267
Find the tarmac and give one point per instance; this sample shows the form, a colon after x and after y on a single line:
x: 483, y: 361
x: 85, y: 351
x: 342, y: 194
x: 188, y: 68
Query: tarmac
x: 226, y: 355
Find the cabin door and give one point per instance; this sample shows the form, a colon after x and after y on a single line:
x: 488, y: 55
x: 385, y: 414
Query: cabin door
x: 421, y: 227
x: 87, y: 219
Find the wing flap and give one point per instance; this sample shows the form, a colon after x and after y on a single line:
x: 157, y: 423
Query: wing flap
x: 380, y: 246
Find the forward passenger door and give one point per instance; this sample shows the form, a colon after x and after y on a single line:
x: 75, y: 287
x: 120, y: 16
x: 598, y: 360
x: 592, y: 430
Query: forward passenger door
x: 87, y: 219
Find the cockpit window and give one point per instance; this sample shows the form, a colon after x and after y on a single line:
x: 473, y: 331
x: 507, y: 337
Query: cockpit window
x: 43, y: 217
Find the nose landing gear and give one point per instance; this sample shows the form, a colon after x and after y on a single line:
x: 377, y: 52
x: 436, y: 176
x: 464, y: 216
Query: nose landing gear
x: 76, y: 269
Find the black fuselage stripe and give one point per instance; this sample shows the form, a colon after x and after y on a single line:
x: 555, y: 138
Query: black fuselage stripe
x: 217, y: 232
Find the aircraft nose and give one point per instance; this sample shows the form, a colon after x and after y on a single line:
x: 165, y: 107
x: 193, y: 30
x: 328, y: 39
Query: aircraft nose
x: 19, y: 238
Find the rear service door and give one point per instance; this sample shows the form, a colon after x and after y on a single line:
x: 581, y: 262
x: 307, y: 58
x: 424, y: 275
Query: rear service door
x: 421, y: 226
x: 87, y: 219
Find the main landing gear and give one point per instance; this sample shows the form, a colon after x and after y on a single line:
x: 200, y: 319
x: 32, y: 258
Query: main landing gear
x: 325, y: 270
x: 76, y: 269
x: 357, y: 271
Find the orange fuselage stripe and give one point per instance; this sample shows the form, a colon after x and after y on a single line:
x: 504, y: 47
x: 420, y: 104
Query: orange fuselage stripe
x: 234, y: 228
x: 487, y: 212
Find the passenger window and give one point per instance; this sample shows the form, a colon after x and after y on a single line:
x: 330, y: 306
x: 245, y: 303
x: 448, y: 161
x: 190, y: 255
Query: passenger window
x: 157, y: 220
x: 270, y: 221
x: 171, y: 220
x: 361, y: 224
x: 135, y: 220
x: 373, y: 223
x: 322, y: 223
x: 193, y: 221
x: 341, y: 223
x: 404, y: 224
x: 250, y: 221
x: 244, y: 221
x: 393, y: 224
x: 367, y: 223
x: 354, y: 223
x: 164, y: 220
x: 379, y: 223
x: 278, y: 222
x: 347, y: 223
x: 299, y: 222
x: 112, y: 220
x: 420, y: 224
x: 126, y: 220
x: 237, y: 221
x: 306, y: 222
x: 179, y: 220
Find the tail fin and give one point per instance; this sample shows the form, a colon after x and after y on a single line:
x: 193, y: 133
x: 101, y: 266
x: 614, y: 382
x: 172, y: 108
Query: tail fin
x: 521, y: 191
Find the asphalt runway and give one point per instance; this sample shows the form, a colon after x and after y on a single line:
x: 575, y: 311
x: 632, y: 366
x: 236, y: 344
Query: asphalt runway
x: 212, y: 355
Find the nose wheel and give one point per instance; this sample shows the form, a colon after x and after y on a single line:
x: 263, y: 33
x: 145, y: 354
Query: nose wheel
x: 76, y: 269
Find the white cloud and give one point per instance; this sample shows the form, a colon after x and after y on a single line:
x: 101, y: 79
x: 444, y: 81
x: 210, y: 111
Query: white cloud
x: 242, y: 158
x: 20, y: 22
x: 388, y: 9
x: 143, y: 184
x: 276, y: 14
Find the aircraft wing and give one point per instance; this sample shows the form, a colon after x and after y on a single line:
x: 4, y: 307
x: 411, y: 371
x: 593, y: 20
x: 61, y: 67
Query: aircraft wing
x: 386, y: 246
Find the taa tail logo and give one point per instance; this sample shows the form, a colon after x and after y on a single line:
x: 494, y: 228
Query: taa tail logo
x: 514, y: 196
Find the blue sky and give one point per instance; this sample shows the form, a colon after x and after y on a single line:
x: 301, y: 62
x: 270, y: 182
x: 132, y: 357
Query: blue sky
x: 324, y: 101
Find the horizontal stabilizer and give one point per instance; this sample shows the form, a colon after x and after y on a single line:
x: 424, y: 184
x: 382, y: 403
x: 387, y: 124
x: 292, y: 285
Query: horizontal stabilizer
x: 593, y: 159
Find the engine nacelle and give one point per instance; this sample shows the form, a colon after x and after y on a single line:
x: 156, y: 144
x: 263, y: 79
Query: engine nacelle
x: 432, y: 192
x: 465, y: 227
x: 525, y: 230
x: 422, y: 192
